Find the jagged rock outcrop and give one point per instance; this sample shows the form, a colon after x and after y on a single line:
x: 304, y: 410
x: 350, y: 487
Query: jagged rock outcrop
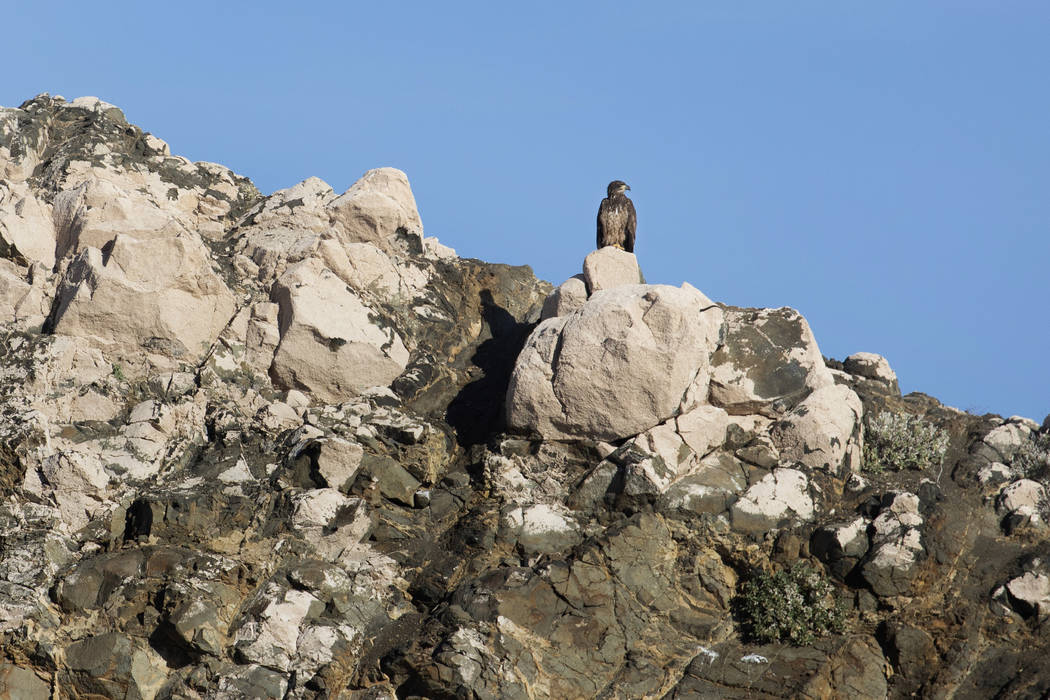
x: 284, y: 446
x: 155, y: 296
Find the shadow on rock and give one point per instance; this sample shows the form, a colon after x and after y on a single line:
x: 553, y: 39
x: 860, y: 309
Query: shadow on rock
x: 477, y: 410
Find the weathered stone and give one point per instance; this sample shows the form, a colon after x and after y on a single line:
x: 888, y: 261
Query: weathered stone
x: 665, y: 442
x: 646, y: 477
x: 643, y: 344
x: 850, y: 667
x: 896, y: 546
x: 567, y: 298
x: 995, y: 474
x: 540, y: 528
x: 1029, y: 594
x: 871, y: 366
x: 1023, y: 493
x: 111, y: 665
x: 338, y: 461
x: 433, y: 248
x: 841, y: 545
x: 594, y: 486
x: 22, y: 684
x: 911, y: 651
x: 331, y: 345
x: 761, y: 452
x: 201, y: 612
x: 1007, y: 439
x: 610, y: 267
x: 712, y: 488
x: 375, y: 208
x: 271, y: 636
x: 703, y: 428
x: 395, y: 482
x: 251, y: 681
x: 767, y: 363
x: 778, y: 499
x: 26, y: 227
x: 278, y: 416
x: 155, y: 296
x: 817, y: 431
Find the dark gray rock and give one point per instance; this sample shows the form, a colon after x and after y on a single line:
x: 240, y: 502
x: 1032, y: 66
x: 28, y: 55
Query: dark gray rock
x: 22, y: 684
x: 768, y: 361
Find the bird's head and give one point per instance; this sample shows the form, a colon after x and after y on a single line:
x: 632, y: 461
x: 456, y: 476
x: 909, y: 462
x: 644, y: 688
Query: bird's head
x: 616, y: 187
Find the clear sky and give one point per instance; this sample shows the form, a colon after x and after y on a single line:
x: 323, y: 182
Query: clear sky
x: 882, y: 167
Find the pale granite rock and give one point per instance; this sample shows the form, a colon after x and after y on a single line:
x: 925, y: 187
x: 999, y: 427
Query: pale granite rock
x: 330, y: 344
x: 816, y: 433
x: 156, y: 296
x: 375, y: 208
x: 610, y: 267
x: 618, y: 366
x: 870, y: 365
x: 566, y: 298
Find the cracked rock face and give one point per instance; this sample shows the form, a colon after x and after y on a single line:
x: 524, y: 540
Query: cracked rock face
x: 329, y: 344
x: 283, y: 446
x: 767, y: 361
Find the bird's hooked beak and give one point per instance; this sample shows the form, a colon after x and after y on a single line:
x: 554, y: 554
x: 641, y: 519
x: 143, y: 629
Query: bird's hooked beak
x: 627, y: 187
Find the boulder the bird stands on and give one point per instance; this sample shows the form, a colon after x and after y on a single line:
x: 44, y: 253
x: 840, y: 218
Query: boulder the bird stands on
x: 616, y: 218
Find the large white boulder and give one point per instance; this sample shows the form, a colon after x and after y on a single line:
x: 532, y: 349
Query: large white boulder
x: 332, y: 344
x: 1021, y: 494
x: 285, y: 227
x: 271, y: 635
x: 375, y: 208
x: 618, y: 366
x: 1007, y: 439
x: 158, y: 296
x: 24, y: 294
x: 817, y: 432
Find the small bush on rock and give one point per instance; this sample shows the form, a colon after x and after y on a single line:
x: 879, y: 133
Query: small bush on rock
x: 902, y: 441
x: 796, y: 605
x: 1032, y: 460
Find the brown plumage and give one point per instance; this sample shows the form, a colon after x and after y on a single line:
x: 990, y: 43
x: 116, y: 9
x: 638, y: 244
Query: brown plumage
x: 616, y: 218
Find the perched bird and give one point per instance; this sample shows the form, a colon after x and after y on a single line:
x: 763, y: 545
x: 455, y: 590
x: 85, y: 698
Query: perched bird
x: 616, y: 218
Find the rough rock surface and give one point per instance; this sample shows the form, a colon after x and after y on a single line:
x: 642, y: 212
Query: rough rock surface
x: 610, y: 267
x: 329, y: 344
x: 255, y: 446
x: 619, y: 365
x: 821, y: 430
x: 568, y: 297
x: 766, y: 363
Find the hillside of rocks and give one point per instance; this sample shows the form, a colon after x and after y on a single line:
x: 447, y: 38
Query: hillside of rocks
x: 288, y: 446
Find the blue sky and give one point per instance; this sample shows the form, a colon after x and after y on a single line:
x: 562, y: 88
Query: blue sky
x: 882, y: 167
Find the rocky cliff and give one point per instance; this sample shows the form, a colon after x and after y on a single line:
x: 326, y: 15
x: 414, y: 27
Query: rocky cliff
x: 287, y: 446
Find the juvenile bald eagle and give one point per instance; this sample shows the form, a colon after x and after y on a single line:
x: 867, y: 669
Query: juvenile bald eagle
x: 616, y: 218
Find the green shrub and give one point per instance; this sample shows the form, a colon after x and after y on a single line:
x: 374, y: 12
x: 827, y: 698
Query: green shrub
x: 902, y: 441
x: 796, y: 605
x: 1032, y: 459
